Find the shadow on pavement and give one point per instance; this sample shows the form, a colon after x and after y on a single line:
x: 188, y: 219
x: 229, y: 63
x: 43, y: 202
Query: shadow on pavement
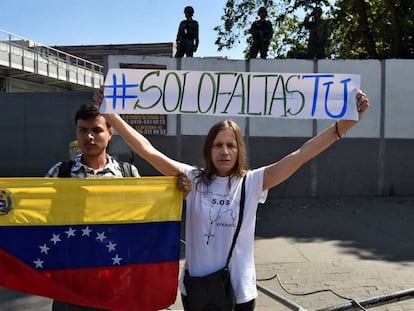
x: 370, y: 228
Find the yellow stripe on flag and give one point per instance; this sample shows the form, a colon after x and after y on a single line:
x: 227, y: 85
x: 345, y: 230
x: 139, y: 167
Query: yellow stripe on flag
x: 57, y: 201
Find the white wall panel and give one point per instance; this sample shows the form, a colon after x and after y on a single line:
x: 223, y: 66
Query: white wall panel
x: 399, y: 98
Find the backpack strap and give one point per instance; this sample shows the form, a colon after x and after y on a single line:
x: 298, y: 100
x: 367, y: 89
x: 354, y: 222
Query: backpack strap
x: 126, y: 169
x: 64, y: 169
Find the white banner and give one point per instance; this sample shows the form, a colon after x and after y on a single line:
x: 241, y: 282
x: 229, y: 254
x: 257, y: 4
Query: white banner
x: 227, y: 93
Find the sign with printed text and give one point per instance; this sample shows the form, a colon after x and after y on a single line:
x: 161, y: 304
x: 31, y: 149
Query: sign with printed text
x: 147, y: 124
x: 228, y: 93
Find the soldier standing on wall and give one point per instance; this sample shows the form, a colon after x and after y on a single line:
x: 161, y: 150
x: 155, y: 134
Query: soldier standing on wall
x: 318, y: 34
x: 261, y: 31
x: 187, y: 36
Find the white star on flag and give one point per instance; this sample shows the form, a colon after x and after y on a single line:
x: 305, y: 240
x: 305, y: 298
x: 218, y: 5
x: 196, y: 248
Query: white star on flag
x: 55, y: 238
x: 44, y: 248
x: 38, y: 263
x: 101, y: 236
x: 86, y: 231
x: 111, y: 246
x: 117, y: 260
x: 70, y: 232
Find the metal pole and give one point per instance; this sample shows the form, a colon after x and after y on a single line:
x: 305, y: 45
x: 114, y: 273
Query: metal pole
x: 374, y: 301
x: 286, y: 302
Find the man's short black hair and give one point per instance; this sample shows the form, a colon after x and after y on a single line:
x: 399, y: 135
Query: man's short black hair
x: 87, y: 112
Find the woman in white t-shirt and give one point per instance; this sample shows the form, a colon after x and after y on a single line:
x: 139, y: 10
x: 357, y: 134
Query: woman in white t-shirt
x: 213, y: 203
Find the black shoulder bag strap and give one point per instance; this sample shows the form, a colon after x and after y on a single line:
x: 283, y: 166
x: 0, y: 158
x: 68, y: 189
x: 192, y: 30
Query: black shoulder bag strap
x: 242, y: 197
x: 64, y: 169
x: 126, y: 169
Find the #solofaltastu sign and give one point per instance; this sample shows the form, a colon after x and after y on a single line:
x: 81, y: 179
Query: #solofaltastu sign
x: 228, y: 93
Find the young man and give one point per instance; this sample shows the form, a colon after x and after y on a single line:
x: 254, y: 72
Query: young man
x: 93, y: 134
x: 187, y: 35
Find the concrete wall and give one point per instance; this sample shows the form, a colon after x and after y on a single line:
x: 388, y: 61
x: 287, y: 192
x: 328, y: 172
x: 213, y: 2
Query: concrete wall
x: 373, y: 159
x: 35, y: 130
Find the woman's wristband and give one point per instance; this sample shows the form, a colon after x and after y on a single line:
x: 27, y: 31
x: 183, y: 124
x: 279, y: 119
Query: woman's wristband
x: 338, y: 134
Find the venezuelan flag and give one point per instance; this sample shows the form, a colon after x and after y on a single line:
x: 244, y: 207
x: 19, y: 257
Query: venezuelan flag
x: 104, y: 243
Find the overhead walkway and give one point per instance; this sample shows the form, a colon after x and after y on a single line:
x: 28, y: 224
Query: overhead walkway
x: 24, y: 59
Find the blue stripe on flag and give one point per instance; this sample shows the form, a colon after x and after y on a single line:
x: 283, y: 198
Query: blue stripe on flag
x: 89, y: 246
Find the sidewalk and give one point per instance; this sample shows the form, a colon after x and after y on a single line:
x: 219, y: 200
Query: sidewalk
x: 359, y: 248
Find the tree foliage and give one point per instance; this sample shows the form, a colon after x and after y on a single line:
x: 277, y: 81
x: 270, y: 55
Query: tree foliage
x: 361, y: 29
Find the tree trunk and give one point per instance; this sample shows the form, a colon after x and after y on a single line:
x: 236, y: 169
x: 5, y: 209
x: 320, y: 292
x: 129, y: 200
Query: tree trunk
x: 396, y: 43
x: 365, y: 30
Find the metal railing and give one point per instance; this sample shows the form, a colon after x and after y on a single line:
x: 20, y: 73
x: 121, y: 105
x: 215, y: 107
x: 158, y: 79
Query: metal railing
x: 32, y: 57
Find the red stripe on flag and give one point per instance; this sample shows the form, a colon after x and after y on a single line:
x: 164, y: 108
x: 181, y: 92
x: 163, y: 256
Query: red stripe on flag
x: 132, y: 287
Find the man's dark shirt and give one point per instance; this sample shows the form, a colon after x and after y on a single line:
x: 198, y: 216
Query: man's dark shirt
x: 187, y: 30
x: 187, y: 38
x: 261, y: 31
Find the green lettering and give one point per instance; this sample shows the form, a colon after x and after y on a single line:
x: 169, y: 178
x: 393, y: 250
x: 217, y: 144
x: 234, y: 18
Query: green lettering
x: 182, y: 97
x: 143, y: 89
x: 200, y: 84
x: 233, y: 94
x: 219, y: 74
x: 266, y: 87
x: 177, y: 79
x: 291, y: 92
x: 274, y: 97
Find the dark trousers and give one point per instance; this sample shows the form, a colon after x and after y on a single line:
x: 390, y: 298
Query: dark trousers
x: 247, y: 306
x: 186, y: 47
x: 259, y: 47
x: 316, y: 51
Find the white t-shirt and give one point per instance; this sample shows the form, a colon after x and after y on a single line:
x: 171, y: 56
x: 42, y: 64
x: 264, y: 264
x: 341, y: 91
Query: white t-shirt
x: 212, y: 213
